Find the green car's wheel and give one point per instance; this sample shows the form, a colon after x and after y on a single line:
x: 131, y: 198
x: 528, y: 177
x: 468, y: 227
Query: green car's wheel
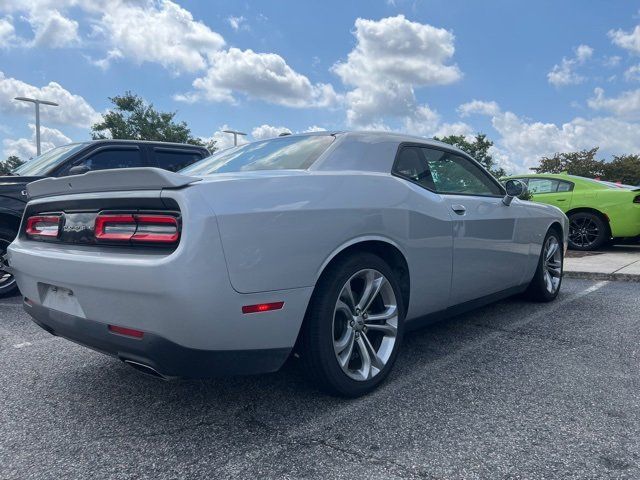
x: 587, y: 231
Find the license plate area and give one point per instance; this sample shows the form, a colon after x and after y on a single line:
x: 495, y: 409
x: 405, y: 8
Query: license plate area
x: 60, y: 299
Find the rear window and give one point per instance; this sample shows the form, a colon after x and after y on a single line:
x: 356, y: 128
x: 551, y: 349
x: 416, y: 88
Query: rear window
x: 283, y: 153
x: 174, y: 160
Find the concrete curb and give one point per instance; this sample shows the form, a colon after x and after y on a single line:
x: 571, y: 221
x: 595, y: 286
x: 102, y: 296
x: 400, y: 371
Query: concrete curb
x: 621, y: 277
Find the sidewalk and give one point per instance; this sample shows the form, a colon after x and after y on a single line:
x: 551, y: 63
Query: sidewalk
x: 618, y: 262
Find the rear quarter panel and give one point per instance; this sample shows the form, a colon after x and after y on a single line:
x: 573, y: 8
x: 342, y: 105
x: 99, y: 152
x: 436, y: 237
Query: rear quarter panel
x: 279, y: 232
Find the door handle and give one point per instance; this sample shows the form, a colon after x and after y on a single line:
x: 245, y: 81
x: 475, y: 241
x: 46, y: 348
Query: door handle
x: 561, y: 199
x: 459, y: 209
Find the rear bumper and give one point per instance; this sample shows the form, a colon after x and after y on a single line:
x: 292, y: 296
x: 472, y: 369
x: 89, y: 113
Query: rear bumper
x: 167, y: 358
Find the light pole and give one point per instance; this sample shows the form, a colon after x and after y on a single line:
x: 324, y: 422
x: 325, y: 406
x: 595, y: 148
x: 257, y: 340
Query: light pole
x: 37, y: 103
x: 235, y: 135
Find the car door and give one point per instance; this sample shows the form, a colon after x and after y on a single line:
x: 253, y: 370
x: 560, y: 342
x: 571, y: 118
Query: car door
x: 490, y: 245
x: 551, y: 191
x: 107, y: 158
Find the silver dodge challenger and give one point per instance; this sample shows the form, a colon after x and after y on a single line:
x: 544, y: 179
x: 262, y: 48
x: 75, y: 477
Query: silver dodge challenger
x: 330, y: 245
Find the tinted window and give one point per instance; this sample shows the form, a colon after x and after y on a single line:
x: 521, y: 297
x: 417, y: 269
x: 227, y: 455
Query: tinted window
x: 175, y: 160
x: 453, y: 173
x: 110, y: 158
x: 294, y: 152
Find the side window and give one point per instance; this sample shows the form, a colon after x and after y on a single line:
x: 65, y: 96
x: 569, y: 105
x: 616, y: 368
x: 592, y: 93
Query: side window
x: 564, y: 186
x: 174, y: 160
x: 455, y: 174
x: 542, y: 185
x: 412, y: 165
x: 110, y: 158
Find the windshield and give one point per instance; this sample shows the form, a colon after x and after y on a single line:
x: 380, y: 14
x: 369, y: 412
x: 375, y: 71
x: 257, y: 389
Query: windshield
x: 282, y: 153
x: 43, y: 164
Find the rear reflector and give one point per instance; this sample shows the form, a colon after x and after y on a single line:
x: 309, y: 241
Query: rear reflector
x: 43, y: 226
x: 262, y: 307
x: 128, y: 332
x: 139, y: 228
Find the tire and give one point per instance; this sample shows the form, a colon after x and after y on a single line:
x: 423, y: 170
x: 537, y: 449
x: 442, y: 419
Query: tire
x: 8, y: 285
x: 334, y: 327
x: 546, y: 282
x: 587, y: 231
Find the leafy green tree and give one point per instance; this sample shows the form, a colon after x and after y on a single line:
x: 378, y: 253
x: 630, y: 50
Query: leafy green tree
x: 582, y: 163
x: 478, y: 149
x: 134, y: 119
x: 10, y: 164
x: 623, y: 169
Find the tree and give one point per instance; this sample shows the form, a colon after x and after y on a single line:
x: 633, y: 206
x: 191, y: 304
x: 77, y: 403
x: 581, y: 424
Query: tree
x: 10, y: 164
x: 623, y: 169
x: 582, y: 163
x: 478, y: 149
x: 134, y: 119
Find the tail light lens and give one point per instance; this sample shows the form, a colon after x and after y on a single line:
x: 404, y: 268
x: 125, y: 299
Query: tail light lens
x: 43, y: 226
x: 138, y: 228
x: 156, y: 228
x: 115, y: 227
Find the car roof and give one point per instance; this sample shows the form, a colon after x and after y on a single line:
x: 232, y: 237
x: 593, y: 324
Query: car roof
x: 147, y: 142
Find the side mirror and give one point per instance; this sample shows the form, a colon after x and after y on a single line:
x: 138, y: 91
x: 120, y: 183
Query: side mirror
x: 78, y: 170
x: 514, y: 188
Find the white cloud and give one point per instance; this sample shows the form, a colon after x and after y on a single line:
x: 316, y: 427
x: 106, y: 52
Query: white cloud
x: 73, y: 109
x: 158, y: 31
x: 26, y: 148
x: 236, y: 22
x: 170, y: 36
x: 7, y: 32
x: 626, y: 105
x: 268, y: 131
x: 478, y: 107
x: 627, y: 40
x: 393, y: 56
x: 395, y: 49
x: 314, y: 128
x: 522, y: 142
x: 53, y: 30
x: 632, y: 74
x: 564, y: 73
x: 263, y: 76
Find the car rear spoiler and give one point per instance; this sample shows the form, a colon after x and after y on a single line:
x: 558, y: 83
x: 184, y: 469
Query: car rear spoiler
x: 119, y: 179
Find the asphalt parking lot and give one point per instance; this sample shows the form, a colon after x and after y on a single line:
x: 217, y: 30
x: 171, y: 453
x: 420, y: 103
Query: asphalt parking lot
x: 513, y: 390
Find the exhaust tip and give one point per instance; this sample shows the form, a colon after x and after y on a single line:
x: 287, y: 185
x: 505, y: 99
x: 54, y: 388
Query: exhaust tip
x: 146, y: 369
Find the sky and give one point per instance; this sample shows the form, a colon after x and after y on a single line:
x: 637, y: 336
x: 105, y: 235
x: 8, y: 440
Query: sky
x: 536, y: 77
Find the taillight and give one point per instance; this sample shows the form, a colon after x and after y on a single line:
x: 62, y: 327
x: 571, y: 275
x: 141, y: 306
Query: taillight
x: 115, y: 227
x: 138, y: 228
x: 637, y: 199
x: 43, y: 226
x: 156, y: 228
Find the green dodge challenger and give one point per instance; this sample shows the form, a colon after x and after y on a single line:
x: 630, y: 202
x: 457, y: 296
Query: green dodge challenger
x: 597, y: 210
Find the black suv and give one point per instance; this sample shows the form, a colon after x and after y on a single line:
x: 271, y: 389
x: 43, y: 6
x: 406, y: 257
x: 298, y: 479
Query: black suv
x: 77, y: 158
